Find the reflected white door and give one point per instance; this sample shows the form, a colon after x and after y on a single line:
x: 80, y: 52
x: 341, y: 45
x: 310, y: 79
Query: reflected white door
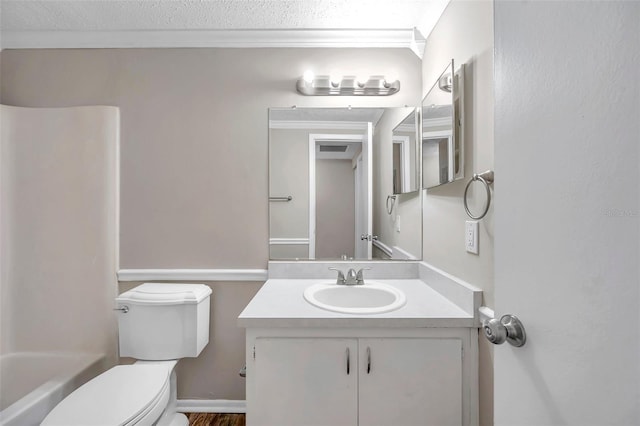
x: 364, y: 197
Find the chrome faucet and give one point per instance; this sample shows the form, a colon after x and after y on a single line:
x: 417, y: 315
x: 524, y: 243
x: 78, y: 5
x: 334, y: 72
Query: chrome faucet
x: 360, y: 276
x: 352, y: 277
x: 340, y: 280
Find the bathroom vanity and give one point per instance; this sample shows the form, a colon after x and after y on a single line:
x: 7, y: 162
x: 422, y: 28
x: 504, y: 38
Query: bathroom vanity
x: 414, y: 365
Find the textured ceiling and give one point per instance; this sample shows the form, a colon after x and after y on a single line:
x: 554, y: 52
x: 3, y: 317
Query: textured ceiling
x: 117, y: 15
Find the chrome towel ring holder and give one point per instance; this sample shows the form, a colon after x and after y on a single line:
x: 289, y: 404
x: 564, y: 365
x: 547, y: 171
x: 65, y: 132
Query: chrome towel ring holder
x: 486, y: 178
x: 390, y: 206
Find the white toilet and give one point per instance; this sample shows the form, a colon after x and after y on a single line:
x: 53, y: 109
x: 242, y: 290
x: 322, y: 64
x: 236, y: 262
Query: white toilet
x: 158, y: 324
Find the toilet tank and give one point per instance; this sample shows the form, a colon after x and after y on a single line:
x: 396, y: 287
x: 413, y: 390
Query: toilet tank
x: 161, y: 321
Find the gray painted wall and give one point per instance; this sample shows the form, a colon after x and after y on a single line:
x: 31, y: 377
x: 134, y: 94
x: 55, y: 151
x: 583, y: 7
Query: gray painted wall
x: 465, y: 33
x: 335, y: 209
x: 194, y: 156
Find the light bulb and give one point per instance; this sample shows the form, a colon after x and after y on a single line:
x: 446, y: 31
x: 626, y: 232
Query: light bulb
x: 308, y: 76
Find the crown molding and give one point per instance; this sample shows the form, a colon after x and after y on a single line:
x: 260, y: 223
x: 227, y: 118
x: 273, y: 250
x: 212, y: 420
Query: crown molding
x: 300, y: 38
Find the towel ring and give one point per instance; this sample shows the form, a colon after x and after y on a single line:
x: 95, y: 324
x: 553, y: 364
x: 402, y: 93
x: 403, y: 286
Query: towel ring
x: 486, y: 178
x: 393, y: 203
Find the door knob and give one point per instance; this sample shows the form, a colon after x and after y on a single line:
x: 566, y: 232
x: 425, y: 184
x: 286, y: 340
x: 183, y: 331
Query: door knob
x: 508, y: 328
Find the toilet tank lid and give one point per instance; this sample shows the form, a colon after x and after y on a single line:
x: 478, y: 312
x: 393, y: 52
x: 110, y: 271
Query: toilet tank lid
x: 166, y: 294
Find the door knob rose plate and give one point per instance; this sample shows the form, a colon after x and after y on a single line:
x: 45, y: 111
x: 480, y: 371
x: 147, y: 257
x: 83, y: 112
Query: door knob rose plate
x: 508, y: 328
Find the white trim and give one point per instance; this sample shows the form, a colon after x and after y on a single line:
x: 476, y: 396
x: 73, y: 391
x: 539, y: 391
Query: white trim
x: 405, y: 158
x: 288, y: 241
x: 313, y: 139
x: 436, y: 122
x: 383, y: 247
x: 321, y: 125
x: 211, y: 406
x: 401, y: 254
x: 405, y: 128
x: 369, y: 183
x: 437, y: 134
x: 192, y: 274
x: 380, y: 38
x: 312, y: 197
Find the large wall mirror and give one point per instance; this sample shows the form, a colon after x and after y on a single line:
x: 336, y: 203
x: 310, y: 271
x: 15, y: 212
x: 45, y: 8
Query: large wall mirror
x: 330, y: 173
x: 442, y: 141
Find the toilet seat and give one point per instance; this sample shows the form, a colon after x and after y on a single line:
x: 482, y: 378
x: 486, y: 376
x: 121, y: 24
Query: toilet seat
x: 122, y: 396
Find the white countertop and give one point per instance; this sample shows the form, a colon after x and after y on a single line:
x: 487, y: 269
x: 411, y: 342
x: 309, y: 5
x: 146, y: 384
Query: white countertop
x: 280, y: 303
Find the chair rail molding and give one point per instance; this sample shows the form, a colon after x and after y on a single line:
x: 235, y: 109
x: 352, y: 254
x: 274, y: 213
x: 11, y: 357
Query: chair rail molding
x: 192, y: 275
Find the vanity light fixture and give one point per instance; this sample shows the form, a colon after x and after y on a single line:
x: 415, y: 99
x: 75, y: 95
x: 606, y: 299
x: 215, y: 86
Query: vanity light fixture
x: 324, y: 85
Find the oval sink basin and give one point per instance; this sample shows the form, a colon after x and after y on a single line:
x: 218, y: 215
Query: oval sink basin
x: 370, y: 298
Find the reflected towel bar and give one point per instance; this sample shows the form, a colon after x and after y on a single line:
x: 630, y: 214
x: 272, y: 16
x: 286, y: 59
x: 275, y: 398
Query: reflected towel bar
x: 287, y: 198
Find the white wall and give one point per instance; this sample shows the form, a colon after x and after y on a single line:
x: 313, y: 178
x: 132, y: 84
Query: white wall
x: 465, y: 33
x: 567, y: 125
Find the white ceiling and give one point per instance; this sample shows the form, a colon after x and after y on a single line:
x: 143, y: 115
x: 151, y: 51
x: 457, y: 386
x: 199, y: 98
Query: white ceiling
x: 134, y: 23
x: 110, y: 15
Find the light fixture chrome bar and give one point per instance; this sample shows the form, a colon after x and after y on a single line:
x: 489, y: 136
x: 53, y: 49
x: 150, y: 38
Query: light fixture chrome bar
x: 348, y: 86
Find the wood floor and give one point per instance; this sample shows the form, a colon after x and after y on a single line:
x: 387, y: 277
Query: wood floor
x: 214, y: 419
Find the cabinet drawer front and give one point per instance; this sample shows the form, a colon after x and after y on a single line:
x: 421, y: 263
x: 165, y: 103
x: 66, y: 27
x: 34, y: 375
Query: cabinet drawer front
x: 303, y: 382
x: 410, y: 382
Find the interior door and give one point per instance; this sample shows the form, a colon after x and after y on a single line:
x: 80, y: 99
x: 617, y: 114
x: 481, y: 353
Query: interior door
x: 364, y: 196
x: 566, y: 220
x: 361, y: 245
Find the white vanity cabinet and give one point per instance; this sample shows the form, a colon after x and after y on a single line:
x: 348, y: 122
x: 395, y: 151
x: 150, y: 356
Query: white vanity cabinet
x: 415, y: 365
x: 298, y: 377
x: 410, y: 382
x: 303, y: 381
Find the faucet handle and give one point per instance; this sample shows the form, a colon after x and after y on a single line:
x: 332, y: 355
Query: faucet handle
x: 360, y: 276
x: 340, y: 279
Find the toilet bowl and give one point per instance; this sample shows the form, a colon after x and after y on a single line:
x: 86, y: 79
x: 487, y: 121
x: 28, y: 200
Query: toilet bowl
x: 158, y: 324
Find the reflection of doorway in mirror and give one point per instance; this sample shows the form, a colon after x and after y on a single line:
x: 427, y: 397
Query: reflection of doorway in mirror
x: 435, y: 155
x: 334, y: 189
x: 401, y: 164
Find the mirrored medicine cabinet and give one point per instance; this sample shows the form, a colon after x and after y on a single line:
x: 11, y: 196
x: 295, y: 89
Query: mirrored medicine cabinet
x: 330, y: 173
x: 406, y: 164
x: 442, y: 129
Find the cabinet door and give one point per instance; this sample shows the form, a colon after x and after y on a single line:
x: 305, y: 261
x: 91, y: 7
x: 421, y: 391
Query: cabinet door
x: 302, y: 382
x: 410, y: 382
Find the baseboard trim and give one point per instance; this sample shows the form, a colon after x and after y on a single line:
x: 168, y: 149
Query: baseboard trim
x: 211, y: 406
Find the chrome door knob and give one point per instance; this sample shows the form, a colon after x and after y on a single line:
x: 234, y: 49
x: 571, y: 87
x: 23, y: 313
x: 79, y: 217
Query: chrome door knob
x: 508, y: 328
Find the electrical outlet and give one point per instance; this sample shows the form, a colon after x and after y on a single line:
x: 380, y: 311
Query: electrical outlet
x: 397, y: 223
x: 471, y: 236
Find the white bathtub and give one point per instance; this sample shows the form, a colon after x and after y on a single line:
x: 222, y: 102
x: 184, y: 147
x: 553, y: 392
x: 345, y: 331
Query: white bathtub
x: 32, y: 383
